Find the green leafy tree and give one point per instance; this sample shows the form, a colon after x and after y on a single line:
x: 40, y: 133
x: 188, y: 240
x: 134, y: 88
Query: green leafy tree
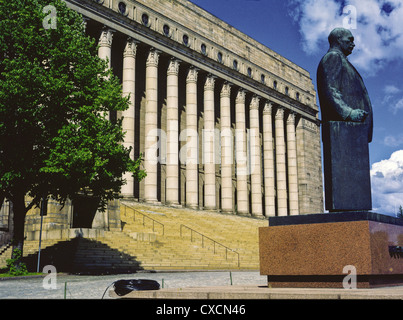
x: 400, y: 213
x: 55, y: 139
x: 15, y: 266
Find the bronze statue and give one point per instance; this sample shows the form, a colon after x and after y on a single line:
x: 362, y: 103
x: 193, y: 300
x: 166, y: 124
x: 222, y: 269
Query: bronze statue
x: 347, y: 127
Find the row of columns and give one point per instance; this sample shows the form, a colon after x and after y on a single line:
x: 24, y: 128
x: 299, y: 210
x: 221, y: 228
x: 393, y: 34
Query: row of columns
x: 280, y: 178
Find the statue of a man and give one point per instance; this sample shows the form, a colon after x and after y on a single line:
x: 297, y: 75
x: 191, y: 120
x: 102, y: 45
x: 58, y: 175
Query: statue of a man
x: 347, y: 127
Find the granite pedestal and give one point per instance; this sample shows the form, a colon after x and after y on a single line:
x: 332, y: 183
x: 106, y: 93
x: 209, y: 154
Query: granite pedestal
x: 313, y: 250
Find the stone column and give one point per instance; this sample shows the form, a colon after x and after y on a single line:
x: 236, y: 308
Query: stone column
x: 128, y: 89
x: 255, y: 158
x: 172, y: 161
x: 281, y: 163
x: 292, y: 166
x: 192, y: 174
x: 226, y: 149
x: 309, y: 155
x: 151, y: 126
x: 268, y: 156
x: 208, y: 145
x: 241, y: 155
x: 105, y: 45
x: 105, y: 50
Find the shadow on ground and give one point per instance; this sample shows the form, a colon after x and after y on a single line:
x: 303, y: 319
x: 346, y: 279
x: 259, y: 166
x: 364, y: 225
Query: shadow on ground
x: 84, y: 256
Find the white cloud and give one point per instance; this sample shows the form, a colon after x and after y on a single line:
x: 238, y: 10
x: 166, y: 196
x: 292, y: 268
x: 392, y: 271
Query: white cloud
x: 393, y: 141
x: 393, y: 99
x: 377, y: 26
x: 391, y: 89
x: 387, y: 184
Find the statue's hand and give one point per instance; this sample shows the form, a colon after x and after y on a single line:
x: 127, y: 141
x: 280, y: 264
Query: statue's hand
x: 358, y: 115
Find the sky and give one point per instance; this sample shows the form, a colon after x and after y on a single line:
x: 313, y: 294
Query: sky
x: 298, y: 30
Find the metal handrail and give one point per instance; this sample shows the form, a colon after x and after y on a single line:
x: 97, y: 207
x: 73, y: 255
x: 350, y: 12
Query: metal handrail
x: 144, y: 217
x: 214, y: 242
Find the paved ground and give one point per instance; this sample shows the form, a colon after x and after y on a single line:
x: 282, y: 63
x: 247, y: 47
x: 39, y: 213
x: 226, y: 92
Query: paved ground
x: 240, y: 285
x: 263, y: 293
x: 94, y: 287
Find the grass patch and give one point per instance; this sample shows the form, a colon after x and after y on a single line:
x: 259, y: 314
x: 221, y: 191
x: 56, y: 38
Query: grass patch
x: 5, y: 274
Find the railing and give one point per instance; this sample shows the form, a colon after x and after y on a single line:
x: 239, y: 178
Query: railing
x: 5, y: 246
x: 145, y: 217
x: 212, y: 240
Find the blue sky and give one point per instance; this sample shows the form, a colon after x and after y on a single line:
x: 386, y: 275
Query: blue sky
x: 298, y: 29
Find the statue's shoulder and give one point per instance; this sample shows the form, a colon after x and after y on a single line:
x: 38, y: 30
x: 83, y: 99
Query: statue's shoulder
x: 332, y: 57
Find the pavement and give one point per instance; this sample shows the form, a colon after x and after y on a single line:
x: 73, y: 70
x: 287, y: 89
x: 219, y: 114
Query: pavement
x: 256, y: 292
x: 64, y: 286
x: 205, y: 285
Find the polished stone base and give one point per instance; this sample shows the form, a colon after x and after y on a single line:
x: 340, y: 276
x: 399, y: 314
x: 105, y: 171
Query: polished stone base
x: 322, y: 250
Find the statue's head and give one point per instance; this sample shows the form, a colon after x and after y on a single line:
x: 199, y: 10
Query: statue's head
x: 343, y: 39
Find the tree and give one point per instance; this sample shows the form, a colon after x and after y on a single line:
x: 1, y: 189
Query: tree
x: 55, y: 140
x: 400, y: 213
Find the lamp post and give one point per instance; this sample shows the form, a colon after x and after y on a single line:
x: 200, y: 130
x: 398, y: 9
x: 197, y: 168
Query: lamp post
x: 43, y: 212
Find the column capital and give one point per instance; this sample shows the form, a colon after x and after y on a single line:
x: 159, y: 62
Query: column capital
x: 105, y: 39
x: 268, y: 107
x: 173, y: 67
x: 130, y: 48
x: 291, y: 117
x: 153, y: 57
x: 241, y: 95
x: 210, y: 81
x: 226, y: 89
x: 254, y: 104
x: 192, y: 75
x: 279, y: 112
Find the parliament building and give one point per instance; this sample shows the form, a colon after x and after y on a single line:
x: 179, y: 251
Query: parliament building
x: 222, y: 122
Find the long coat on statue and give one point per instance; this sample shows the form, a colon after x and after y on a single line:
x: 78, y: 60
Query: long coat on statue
x: 345, y: 143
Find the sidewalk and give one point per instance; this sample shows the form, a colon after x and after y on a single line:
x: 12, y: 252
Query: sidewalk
x: 256, y: 292
x: 97, y: 287
x: 238, y: 285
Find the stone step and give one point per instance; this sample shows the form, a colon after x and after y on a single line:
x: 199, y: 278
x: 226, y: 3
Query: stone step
x: 138, y: 246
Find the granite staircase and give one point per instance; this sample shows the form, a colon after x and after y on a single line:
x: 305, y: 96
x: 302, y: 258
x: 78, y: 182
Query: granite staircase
x: 157, y: 238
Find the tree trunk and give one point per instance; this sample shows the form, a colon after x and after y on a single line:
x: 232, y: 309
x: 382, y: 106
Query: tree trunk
x: 20, y: 212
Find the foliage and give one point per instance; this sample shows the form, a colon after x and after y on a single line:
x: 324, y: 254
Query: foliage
x: 55, y: 94
x: 400, y: 213
x: 14, y: 265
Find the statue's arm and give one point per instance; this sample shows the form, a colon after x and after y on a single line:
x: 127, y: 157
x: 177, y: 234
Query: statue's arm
x: 332, y: 75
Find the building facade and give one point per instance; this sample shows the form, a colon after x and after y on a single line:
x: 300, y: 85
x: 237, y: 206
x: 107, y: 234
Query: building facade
x: 222, y: 122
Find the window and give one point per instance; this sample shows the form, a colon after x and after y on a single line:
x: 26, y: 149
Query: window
x: 286, y: 91
x: 166, y: 30
x: 235, y: 65
x: 219, y: 57
x: 145, y: 19
x: 203, y: 49
x: 249, y: 72
x: 297, y: 96
x: 185, y: 39
x: 275, y: 85
x: 262, y: 78
x: 122, y: 8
